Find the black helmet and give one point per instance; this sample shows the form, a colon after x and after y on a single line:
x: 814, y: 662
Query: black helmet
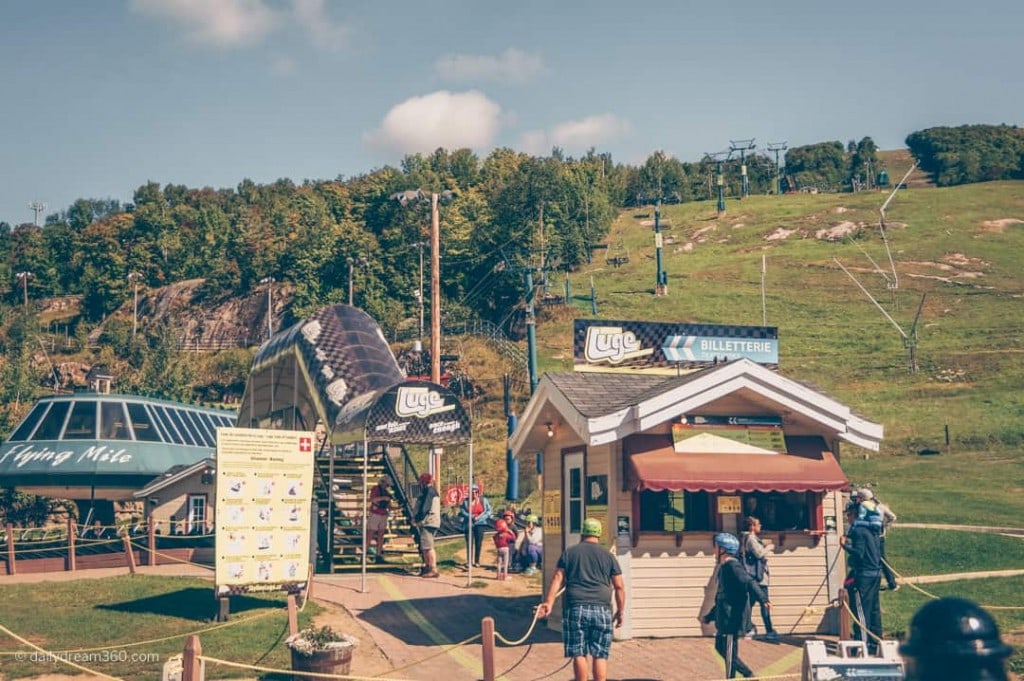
x: 952, y: 633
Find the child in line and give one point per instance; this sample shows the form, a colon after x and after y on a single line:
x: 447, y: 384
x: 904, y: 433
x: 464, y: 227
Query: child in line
x: 504, y: 537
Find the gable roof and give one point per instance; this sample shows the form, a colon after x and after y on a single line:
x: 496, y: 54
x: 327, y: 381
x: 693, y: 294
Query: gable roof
x: 602, y: 408
x: 174, y: 474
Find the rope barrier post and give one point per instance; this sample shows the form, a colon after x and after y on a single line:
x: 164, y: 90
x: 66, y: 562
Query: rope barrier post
x: 151, y: 541
x: 293, y: 615
x: 69, y: 562
x: 223, y: 609
x: 844, y: 615
x: 191, y: 665
x: 487, y: 641
x: 129, y: 553
x: 11, y: 569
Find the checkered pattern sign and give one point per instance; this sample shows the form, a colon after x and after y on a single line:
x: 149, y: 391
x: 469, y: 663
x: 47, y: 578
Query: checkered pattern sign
x: 408, y: 412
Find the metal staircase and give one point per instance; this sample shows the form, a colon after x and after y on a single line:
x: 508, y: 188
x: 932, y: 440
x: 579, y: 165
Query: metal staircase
x: 339, y: 497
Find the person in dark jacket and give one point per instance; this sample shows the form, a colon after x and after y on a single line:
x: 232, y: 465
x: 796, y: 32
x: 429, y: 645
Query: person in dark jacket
x: 735, y: 587
x: 864, y: 558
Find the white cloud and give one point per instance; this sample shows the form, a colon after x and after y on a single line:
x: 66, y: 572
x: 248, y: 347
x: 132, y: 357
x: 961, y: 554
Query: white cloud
x: 324, y: 33
x: 575, y: 136
x: 511, y: 66
x: 452, y: 120
x: 220, y: 23
x: 283, y: 66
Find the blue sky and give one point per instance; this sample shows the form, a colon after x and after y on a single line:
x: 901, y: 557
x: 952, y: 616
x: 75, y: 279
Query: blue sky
x: 99, y: 97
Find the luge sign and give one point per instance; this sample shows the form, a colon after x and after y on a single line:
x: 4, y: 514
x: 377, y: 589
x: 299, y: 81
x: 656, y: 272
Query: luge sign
x: 664, y: 347
x: 264, y: 492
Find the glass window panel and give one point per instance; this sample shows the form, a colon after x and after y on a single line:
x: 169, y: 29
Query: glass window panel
x: 200, y: 427
x: 30, y: 422
x: 82, y: 422
x: 169, y: 429
x: 113, y: 423
x: 142, y: 424
x: 185, y: 430
x: 53, y: 422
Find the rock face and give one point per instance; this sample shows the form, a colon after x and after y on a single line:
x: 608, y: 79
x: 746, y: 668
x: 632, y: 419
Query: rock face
x: 208, y: 325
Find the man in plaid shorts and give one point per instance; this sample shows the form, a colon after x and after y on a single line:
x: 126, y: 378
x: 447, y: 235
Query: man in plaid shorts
x: 589, y: 572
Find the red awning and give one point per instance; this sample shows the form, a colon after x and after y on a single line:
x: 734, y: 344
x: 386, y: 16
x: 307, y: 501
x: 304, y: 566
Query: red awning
x: 807, y: 466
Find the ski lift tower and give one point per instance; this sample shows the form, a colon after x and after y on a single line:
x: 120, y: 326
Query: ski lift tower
x: 777, y: 147
x: 660, y: 276
x: 743, y: 146
x: 719, y: 157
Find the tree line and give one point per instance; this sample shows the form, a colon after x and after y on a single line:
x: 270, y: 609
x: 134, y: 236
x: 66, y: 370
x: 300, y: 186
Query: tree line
x: 511, y: 212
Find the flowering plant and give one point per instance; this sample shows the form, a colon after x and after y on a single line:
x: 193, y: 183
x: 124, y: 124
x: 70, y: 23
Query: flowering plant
x: 313, y: 639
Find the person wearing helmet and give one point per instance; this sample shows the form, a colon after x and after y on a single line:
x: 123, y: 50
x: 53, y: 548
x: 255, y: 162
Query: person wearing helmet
x: 427, y: 519
x: 729, y: 613
x: 530, y: 544
x: 590, y: 573
x: 863, y: 553
x: 953, y: 638
x: 504, y: 538
x: 476, y: 513
x: 879, y: 517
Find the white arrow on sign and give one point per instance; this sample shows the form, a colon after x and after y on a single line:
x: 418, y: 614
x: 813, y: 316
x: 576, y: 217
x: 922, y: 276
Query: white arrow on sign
x: 679, y: 348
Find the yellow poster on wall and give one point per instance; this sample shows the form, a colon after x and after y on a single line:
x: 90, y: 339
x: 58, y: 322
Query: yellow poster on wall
x: 264, y: 492
x: 552, y: 513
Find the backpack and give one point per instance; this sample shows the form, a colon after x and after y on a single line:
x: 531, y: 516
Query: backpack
x: 869, y: 512
x: 754, y: 566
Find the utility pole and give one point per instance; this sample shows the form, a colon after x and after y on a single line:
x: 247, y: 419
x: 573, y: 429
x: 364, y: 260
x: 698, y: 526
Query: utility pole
x: 531, y: 331
x: 419, y: 292
x: 777, y: 147
x: 435, y: 290
x: 269, y: 281
x: 37, y: 208
x: 134, y: 277
x: 23, y: 278
x: 742, y: 146
x: 660, y: 275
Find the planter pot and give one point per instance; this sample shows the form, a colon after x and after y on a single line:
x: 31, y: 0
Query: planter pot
x: 336, y: 659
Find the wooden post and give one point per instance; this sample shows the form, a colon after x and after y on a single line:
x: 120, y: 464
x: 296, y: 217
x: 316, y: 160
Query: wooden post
x: 69, y: 563
x: 191, y: 665
x: 844, y: 615
x: 293, y: 615
x: 11, y: 569
x: 223, y: 609
x: 151, y: 541
x: 487, y: 641
x: 129, y: 553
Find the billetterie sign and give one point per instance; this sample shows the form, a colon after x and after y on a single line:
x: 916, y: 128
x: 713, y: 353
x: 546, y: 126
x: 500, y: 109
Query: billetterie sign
x: 264, y: 492
x: 666, y: 347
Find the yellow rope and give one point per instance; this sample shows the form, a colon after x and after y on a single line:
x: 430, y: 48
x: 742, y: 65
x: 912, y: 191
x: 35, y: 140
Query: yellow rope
x: 319, y: 675
x: 157, y: 640
x: 861, y: 624
x: 170, y: 557
x: 63, y: 547
x: 444, y: 650
x: 56, y: 657
x: 934, y: 597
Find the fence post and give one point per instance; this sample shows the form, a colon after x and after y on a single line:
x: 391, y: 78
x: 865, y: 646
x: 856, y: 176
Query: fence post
x: 844, y: 615
x: 129, y: 553
x: 191, y: 665
x: 72, y: 528
x: 487, y: 646
x: 11, y: 569
x: 151, y: 541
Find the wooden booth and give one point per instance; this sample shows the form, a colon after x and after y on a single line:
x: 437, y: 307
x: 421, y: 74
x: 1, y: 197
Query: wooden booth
x: 665, y: 462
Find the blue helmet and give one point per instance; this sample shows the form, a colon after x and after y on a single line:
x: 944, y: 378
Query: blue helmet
x: 728, y: 543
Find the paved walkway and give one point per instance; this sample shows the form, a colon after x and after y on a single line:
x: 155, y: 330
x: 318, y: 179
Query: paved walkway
x: 414, y: 620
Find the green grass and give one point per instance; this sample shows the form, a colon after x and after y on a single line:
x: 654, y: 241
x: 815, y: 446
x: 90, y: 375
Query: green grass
x: 913, y: 552
x: 106, y: 615
x: 898, y: 608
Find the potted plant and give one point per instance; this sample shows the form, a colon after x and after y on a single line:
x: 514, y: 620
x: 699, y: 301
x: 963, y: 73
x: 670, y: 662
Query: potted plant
x: 321, y: 649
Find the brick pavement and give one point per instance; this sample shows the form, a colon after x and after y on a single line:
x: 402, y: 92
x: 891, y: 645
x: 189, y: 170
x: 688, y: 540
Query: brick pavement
x: 413, y: 620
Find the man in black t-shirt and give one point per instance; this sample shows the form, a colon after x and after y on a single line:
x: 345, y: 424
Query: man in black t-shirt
x: 590, y: 573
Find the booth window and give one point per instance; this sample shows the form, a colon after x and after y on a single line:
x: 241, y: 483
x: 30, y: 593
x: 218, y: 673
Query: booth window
x: 112, y: 422
x: 782, y: 511
x: 667, y: 511
x: 196, y: 514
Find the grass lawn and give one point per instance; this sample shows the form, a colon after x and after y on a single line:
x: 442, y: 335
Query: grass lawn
x: 913, y: 552
x: 899, y: 607
x: 102, y: 618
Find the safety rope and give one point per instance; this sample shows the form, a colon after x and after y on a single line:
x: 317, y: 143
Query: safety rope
x: 444, y: 650
x: 57, y: 657
x: 272, y: 670
x: 846, y: 604
x: 81, y: 543
x: 932, y: 596
x: 170, y: 557
x: 162, y: 639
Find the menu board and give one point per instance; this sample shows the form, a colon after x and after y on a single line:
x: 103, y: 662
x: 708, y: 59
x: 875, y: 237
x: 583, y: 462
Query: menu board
x: 264, y: 492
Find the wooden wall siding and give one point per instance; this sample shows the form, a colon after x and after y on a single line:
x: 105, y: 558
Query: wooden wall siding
x: 668, y: 590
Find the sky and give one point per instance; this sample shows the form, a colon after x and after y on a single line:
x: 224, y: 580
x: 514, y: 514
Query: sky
x: 98, y: 98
